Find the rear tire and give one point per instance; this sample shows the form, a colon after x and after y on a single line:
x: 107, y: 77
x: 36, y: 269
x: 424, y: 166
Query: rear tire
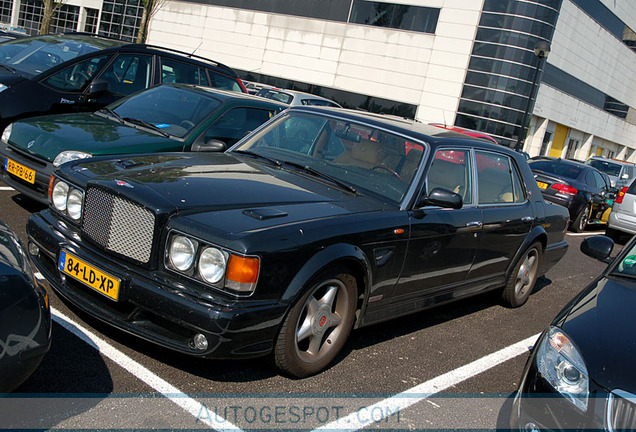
x: 523, y: 277
x: 580, y: 221
x: 318, y: 325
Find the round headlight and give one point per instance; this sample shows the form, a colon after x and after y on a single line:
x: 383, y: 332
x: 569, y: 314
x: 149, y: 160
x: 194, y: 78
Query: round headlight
x: 181, y: 253
x: 212, y: 265
x: 60, y: 195
x: 74, y: 204
x: 6, y: 134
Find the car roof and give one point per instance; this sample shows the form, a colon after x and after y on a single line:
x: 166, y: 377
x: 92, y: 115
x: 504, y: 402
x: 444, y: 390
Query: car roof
x: 229, y: 96
x: 615, y: 161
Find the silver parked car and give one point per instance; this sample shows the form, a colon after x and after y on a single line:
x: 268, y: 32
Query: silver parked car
x: 295, y: 98
x: 622, y: 219
x: 621, y: 173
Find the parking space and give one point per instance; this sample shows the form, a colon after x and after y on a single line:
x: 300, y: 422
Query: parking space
x: 450, y: 367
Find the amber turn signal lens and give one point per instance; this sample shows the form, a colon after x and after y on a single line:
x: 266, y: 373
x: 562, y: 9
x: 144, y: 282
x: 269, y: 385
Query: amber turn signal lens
x: 243, y: 270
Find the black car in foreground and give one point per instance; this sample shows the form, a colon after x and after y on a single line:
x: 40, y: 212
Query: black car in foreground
x: 25, y: 317
x: 581, y: 374
x: 320, y: 221
x: 585, y: 192
x: 54, y: 74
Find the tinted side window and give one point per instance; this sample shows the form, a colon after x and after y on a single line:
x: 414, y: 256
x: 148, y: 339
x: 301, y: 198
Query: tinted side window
x: 128, y: 73
x: 497, y: 179
x: 600, y: 181
x: 223, y: 82
x: 589, y: 179
x: 450, y: 170
x: 74, y: 77
x: 173, y: 71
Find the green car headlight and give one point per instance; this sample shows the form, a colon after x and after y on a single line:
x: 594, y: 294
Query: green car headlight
x: 562, y: 366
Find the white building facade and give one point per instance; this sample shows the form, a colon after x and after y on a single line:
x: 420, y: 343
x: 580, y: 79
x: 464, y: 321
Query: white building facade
x: 469, y: 63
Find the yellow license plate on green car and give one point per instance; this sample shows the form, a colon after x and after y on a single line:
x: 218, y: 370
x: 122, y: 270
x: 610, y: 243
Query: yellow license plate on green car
x: 542, y: 185
x: 89, y: 275
x: 19, y: 170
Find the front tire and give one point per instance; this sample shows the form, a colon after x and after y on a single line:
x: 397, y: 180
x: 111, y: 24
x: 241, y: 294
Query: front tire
x: 318, y: 325
x: 523, y: 278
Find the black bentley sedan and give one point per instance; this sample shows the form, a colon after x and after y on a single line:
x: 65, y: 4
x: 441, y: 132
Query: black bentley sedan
x: 25, y: 316
x: 320, y: 221
x: 581, y: 375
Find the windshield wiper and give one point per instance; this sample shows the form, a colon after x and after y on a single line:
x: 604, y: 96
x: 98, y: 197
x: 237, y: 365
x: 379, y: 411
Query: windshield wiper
x: 258, y: 155
x: 146, y: 124
x: 112, y: 113
x: 322, y: 175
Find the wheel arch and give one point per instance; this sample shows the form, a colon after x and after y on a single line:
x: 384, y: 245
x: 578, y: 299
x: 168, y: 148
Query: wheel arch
x: 344, y: 254
x: 537, y: 234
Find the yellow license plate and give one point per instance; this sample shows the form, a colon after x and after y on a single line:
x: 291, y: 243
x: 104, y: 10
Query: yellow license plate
x: 88, y: 275
x: 19, y: 170
x: 542, y: 185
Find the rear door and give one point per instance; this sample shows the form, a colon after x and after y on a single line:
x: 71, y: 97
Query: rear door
x: 507, y: 215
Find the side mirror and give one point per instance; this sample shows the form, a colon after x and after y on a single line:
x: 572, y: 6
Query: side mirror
x: 444, y: 198
x: 211, y: 145
x: 98, y: 86
x: 598, y: 247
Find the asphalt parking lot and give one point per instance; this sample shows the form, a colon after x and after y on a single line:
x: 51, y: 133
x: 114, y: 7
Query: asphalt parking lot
x: 453, y: 367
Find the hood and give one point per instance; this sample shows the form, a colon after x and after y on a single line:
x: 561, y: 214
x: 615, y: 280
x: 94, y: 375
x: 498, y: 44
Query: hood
x: 601, y: 324
x: 10, y: 77
x: 47, y: 136
x: 193, y: 183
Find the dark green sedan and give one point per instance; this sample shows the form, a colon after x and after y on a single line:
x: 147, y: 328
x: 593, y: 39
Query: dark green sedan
x: 167, y: 118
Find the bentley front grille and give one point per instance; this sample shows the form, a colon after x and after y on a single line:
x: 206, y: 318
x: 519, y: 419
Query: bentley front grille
x: 621, y: 411
x: 118, y: 225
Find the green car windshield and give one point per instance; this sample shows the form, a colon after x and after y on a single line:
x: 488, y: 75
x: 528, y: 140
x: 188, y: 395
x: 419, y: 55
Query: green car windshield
x: 168, y: 109
x: 356, y: 157
x: 32, y: 56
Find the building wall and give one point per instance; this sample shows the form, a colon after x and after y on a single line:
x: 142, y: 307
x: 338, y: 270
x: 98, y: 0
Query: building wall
x: 416, y: 68
x: 585, y: 50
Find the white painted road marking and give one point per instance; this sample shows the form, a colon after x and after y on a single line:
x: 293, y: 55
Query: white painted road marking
x: 6, y: 188
x: 165, y: 388
x: 423, y: 391
x: 352, y: 422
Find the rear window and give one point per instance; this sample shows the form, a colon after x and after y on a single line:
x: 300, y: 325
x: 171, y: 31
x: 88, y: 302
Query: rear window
x: 557, y: 168
x: 276, y: 95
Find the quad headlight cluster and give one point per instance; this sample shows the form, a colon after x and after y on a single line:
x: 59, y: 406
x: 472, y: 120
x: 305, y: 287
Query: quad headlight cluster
x: 210, y: 264
x: 66, y: 199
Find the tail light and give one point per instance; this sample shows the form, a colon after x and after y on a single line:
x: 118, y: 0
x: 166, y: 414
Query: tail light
x: 621, y: 195
x: 564, y: 189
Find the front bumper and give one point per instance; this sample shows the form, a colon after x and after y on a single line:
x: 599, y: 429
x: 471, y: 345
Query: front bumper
x: 154, y: 305
x: 38, y: 190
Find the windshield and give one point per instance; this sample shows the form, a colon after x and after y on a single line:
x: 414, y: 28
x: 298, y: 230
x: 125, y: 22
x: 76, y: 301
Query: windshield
x: 32, y: 56
x: 356, y: 155
x: 174, y: 110
x: 609, y: 168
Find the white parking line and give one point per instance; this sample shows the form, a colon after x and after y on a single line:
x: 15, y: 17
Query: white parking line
x: 423, y: 391
x: 6, y: 188
x: 166, y: 389
x: 352, y: 422
x: 586, y: 234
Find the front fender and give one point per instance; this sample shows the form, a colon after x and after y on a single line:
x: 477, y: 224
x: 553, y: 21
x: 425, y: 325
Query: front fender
x: 340, y: 252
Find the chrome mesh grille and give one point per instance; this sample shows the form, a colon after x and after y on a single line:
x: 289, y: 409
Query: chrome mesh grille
x: 118, y: 225
x: 621, y: 411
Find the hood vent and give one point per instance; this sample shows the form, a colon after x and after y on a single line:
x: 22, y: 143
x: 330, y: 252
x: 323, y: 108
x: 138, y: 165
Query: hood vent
x: 264, y: 213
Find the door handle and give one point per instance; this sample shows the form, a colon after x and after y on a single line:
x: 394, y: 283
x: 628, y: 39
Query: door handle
x: 474, y: 224
x: 527, y: 219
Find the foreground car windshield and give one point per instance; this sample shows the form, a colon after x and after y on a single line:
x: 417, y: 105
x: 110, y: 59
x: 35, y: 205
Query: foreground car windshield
x: 171, y: 109
x: 33, y: 56
x: 362, y: 157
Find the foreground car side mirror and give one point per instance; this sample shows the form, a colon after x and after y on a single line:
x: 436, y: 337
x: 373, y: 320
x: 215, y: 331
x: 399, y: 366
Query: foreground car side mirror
x: 441, y: 197
x: 98, y: 86
x: 211, y: 145
x: 598, y: 247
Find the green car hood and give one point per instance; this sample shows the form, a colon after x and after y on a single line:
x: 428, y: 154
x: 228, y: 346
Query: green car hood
x: 47, y: 136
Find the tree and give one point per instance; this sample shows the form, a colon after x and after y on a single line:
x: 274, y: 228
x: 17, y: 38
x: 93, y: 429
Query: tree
x: 50, y: 7
x: 150, y: 9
